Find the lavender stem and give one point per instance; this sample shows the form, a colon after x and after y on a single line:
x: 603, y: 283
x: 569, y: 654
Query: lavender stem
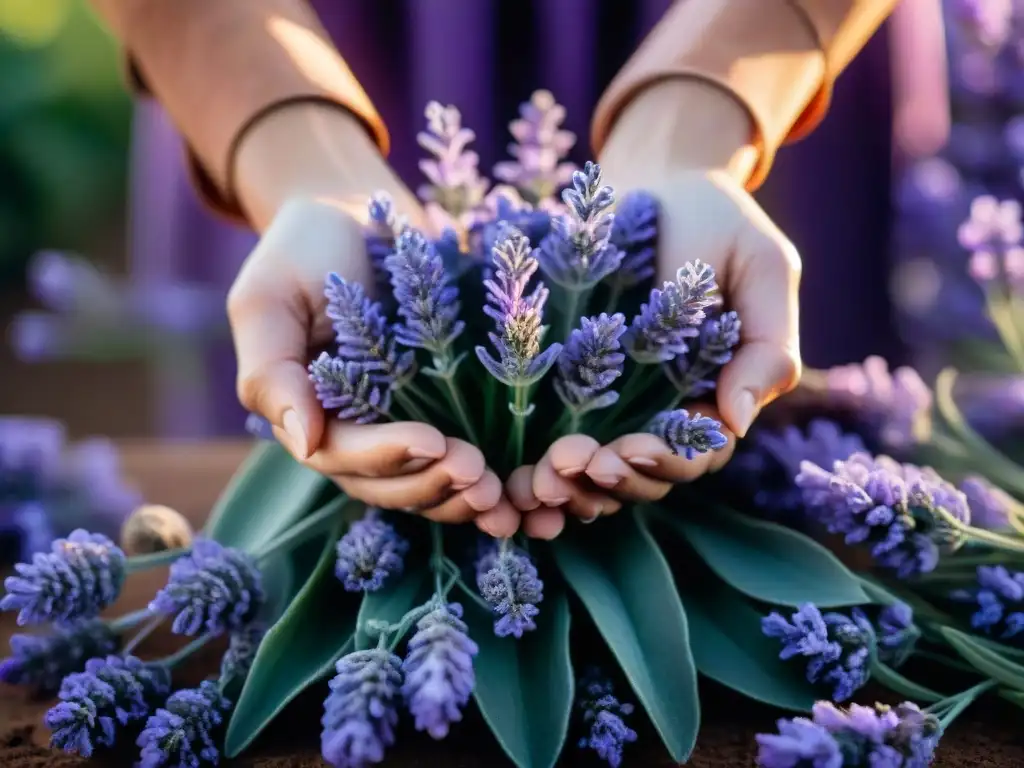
x: 154, y: 560
x: 142, y: 634
x: 455, y: 398
x: 315, y: 525
x: 185, y: 652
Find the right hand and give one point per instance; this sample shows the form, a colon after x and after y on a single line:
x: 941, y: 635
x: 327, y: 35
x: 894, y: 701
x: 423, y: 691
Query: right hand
x: 276, y: 310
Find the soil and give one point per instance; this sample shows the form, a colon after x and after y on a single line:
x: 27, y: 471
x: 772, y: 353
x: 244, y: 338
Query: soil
x: 189, y: 478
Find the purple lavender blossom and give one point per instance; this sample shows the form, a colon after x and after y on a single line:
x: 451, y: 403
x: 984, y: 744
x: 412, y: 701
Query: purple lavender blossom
x: 858, y: 737
x: 540, y: 148
x: 992, y: 235
x: 181, y: 732
x: 896, y: 634
x: 359, y: 393
x: 438, y: 670
x: 989, y: 22
x: 79, y: 577
x: 428, y: 302
x: 990, y: 506
x: 369, y: 554
x: 214, y: 589
x: 604, y: 717
x: 672, y: 315
x: 577, y: 255
x: 590, y: 363
x: 635, y: 233
x: 456, y: 187
x: 895, y: 406
x: 505, y: 208
x: 241, y: 653
x: 999, y: 598
x: 41, y: 662
x: 111, y: 692
x: 898, y: 511
x: 688, y: 435
x: 259, y: 427
x: 385, y: 225
x: 518, y: 315
x: 361, y: 712
x: 837, y: 648
x: 695, y: 373
x: 508, y: 581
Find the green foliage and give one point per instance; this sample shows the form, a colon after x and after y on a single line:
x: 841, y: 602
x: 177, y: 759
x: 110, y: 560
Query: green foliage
x: 985, y: 658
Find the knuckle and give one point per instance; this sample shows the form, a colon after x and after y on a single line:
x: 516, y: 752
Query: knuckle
x: 790, y: 370
x: 249, y: 389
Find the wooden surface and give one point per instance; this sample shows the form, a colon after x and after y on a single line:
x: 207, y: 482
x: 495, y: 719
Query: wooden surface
x: 189, y: 477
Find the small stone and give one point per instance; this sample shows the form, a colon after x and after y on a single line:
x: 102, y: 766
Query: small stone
x: 155, y: 528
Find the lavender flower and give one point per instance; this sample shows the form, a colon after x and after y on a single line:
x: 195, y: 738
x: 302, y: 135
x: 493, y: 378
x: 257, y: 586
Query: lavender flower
x: 540, y: 148
x: 604, y: 716
x: 990, y: 22
x: 438, y: 670
x: 505, y: 208
x: 111, y: 692
x: 695, y: 373
x: 369, y: 554
x: 999, y: 598
x: 993, y: 235
x: 181, y: 733
x: 518, y: 315
x: 990, y: 506
x: 359, y: 394
x: 456, y: 187
x: 79, y: 577
x: 259, y: 427
x: 672, y: 315
x: 859, y: 737
x: 895, y: 406
x: 635, y: 233
x: 904, y: 515
x: 427, y: 301
x: 41, y: 662
x: 214, y: 589
x: 688, y: 435
x: 361, y: 712
x: 837, y: 647
x: 896, y: 634
x: 509, y: 583
x: 590, y: 363
x: 577, y: 255
x: 241, y: 652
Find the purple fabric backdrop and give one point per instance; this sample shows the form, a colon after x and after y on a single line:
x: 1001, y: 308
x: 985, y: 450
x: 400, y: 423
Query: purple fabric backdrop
x: 830, y: 193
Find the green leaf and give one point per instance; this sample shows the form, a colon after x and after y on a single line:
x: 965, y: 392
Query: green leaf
x: 984, y: 658
x: 390, y: 604
x: 729, y: 647
x: 769, y: 562
x: 525, y: 687
x: 300, y: 649
x: 268, y: 495
x: 628, y: 590
x: 896, y: 681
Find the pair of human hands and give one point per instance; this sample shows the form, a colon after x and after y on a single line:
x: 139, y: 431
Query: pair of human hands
x: 276, y: 310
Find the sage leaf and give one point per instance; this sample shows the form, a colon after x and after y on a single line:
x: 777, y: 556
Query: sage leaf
x: 628, y: 590
x: 984, y: 658
x: 525, y: 687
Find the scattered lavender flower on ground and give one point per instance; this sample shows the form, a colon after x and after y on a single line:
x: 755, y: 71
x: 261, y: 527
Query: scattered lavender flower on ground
x: 241, y: 653
x: 590, y: 362
x: 508, y: 581
x: 214, y: 589
x: 688, y: 435
x: 517, y: 315
x: 438, y: 670
x: 999, y: 598
x: 635, y: 233
x: 369, y: 554
x: 456, y: 187
x: 79, y: 577
x: 540, y: 148
x: 604, y: 717
x: 695, y: 374
x: 990, y: 506
x: 111, y: 692
x: 858, y: 737
x: 361, y: 712
x: 672, y: 315
x: 896, y: 634
x: 181, y: 733
x: 837, y: 647
x: 356, y: 391
x: 895, y: 510
x: 41, y: 662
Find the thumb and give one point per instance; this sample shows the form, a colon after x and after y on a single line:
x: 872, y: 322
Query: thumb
x: 271, y: 343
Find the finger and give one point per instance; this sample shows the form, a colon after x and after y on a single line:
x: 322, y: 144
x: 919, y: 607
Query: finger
x: 519, y: 488
x: 502, y: 521
x: 461, y: 468
x: 607, y: 470
x: 468, y: 504
x: 544, y: 523
x: 651, y: 456
x: 383, y: 450
x: 762, y: 286
x: 571, y: 454
x: 555, y: 490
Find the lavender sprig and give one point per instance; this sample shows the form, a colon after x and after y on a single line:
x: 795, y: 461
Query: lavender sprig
x: 385, y: 226
x: 604, y: 716
x: 41, y: 662
x: 359, y: 394
x: 589, y: 364
x: 540, y: 148
x: 634, y: 232
x: 181, y: 733
x: 369, y: 554
x: 688, y: 435
x: 456, y: 187
x: 999, y: 601
x: 694, y: 375
x: 241, y: 653
x: 509, y: 583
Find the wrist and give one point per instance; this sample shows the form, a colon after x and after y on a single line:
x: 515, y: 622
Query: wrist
x: 684, y: 124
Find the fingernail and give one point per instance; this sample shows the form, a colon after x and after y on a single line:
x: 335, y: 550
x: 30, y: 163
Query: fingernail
x: 555, y: 502
x: 416, y: 465
x: 421, y: 453
x: 462, y: 483
x: 589, y: 520
x: 642, y: 461
x: 571, y: 471
x: 745, y: 407
x: 606, y: 481
x: 296, y: 434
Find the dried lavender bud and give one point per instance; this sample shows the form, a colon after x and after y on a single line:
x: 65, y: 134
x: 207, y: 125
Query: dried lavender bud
x: 604, y: 717
x: 155, y: 528
x: 540, y: 148
x: 688, y: 435
x: 672, y: 315
x: 508, y: 581
x: 369, y: 554
x: 358, y: 392
x: 181, y: 732
x: 41, y: 662
x: 241, y: 652
x: 214, y: 589
x: 635, y: 233
x: 79, y: 577
x: 590, y: 362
